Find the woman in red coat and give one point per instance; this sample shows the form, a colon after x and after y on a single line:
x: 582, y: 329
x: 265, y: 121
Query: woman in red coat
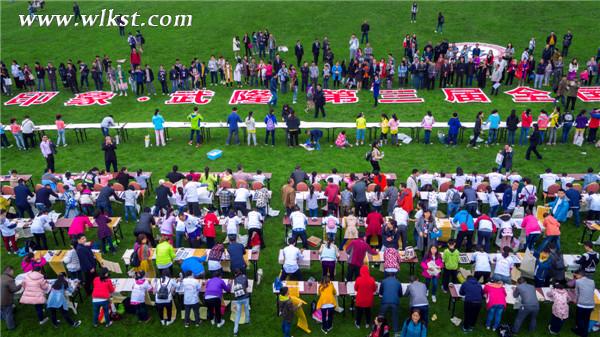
x: 135, y: 59
x: 365, y: 288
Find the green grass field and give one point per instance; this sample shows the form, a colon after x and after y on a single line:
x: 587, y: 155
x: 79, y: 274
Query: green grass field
x: 213, y: 27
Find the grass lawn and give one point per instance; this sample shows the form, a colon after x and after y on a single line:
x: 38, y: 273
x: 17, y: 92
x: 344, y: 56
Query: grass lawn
x: 214, y: 25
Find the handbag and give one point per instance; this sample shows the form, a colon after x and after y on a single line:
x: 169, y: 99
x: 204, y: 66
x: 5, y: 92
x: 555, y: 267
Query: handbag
x: 499, y: 158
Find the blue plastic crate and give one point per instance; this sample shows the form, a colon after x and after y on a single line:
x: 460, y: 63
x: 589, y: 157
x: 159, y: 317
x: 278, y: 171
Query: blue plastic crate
x: 214, y: 154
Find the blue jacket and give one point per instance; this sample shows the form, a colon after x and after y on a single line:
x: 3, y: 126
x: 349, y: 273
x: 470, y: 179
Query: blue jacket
x: 272, y: 118
x: 574, y: 197
x: 560, y: 211
x: 463, y: 217
x: 454, y: 124
x: 390, y: 291
x: 57, y: 299
x: 236, y: 255
x: 542, y: 269
x: 410, y: 329
x: 494, y: 121
x: 376, y: 86
x: 232, y: 121
x: 316, y: 134
x: 507, y: 198
x: 472, y: 290
x: 193, y: 264
x: 21, y: 194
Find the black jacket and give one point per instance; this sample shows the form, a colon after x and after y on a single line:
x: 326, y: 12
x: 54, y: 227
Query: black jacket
x: 150, y: 77
x: 42, y: 196
x: 144, y: 224
x: 534, y: 139
x: 512, y: 122
x: 162, y: 196
x: 21, y: 194
x: 299, y: 50
x: 110, y: 153
x: 365, y: 28
x: 316, y: 47
x: 319, y: 97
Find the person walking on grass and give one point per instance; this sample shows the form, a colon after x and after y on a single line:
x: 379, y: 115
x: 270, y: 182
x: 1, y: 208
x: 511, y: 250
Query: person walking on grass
x: 440, y: 23
x: 534, y: 141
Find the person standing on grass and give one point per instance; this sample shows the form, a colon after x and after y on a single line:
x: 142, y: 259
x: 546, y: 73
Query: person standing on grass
x: 495, y: 294
x: 534, y: 141
x: 365, y: 287
x: 110, y: 154
x: 271, y: 124
x: 529, y: 305
x: 76, y: 12
x: 103, y: 289
x: 159, y: 129
x: 28, y: 128
x: 473, y: 298
x: 319, y: 99
x: 8, y: 289
x: 35, y: 287
x: 584, y: 293
x: 232, y: 122
x: 251, y: 128
x: 57, y: 301
x: 195, y: 119
x: 440, y: 23
x: 413, y: 12
x: 48, y: 150
x: 60, y: 129
x: 390, y: 292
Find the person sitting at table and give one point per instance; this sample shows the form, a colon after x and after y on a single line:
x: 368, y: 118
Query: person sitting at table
x: 298, y: 223
x: 144, y: 251
x: 365, y: 287
x: 215, y: 256
x: 236, y: 252
x: 90, y: 178
x: 35, y: 286
x: 30, y: 262
x: 49, y: 178
x: 78, y: 226
x: 40, y: 224
x: 42, y: 197
x: 291, y: 256
x: 123, y: 177
x: 357, y: 250
x: 473, y: 297
x: 165, y: 255
x: 145, y: 225
x: 104, y: 177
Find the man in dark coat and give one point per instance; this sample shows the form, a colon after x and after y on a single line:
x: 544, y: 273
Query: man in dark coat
x: 162, y: 198
x: 316, y: 48
x: 299, y: 51
x: 144, y: 225
x: 319, y: 101
x: 534, y: 141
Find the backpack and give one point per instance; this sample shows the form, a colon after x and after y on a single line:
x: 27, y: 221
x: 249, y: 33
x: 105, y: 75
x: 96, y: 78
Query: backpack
x: 238, y: 289
x: 455, y: 197
x: 530, y: 199
x: 331, y: 223
x: 368, y: 156
x: 70, y: 201
x: 134, y: 260
x: 270, y: 124
x: 163, y: 291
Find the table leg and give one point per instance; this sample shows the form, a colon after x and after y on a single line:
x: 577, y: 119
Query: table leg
x: 62, y: 235
x: 412, y: 269
x: 343, y: 270
x: 585, y: 229
x: 55, y: 240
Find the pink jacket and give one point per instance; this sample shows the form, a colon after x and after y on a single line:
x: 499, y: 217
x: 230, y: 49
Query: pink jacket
x: 79, y: 224
x: 530, y: 224
x: 542, y: 122
x: 28, y: 266
x: 341, y: 140
x: 35, y: 287
x: 495, y: 295
x: 427, y: 122
x: 438, y: 262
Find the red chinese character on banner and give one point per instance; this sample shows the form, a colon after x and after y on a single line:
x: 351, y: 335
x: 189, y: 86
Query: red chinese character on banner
x: 529, y: 95
x: 91, y: 98
x: 342, y: 96
x: 31, y: 98
x: 399, y: 96
x: 465, y: 95
x: 254, y: 96
x: 589, y: 94
x: 191, y: 97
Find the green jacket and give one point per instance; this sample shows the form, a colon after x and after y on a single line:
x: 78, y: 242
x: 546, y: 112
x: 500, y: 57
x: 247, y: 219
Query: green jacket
x: 195, y: 120
x: 451, y: 259
x: 165, y: 253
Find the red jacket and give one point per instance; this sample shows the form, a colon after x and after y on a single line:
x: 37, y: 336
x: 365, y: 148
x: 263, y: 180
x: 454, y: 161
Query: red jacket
x: 526, y: 120
x: 135, y: 58
x: 365, y: 287
x: 358, y: 249
x: 380, y: 180
x: 102, y: 289
x: 331, y: 192
x: 374, y: 223
x: 210, y: 221
x: 406, y: 201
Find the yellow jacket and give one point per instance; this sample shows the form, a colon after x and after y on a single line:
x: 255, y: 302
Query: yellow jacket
x: 553, y: 120
x: 384, y: 126
x: 326, y: 295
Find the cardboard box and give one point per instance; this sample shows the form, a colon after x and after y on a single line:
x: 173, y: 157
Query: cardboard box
x: 314, y: 241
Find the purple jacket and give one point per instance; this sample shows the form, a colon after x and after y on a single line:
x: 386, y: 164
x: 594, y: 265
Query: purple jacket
x: 581, y: 122
x: 103, y: 230
x: 215, y: 287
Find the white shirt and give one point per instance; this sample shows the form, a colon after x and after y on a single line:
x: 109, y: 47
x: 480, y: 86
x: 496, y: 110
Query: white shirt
x: 495, y: 179
x: 254, y: 219
x: 401, y: 216
x: 492, y: 199
x: 69, y: 182
x: 425, y: 179
x: 459, y: 180
x: 594, y: 202
x: 335, y: 178
x: 191, y: 223
x: 138, y: 293
x: 547, y: 180
x: 291, y: 255
x: 442, y: 180
x: 482, y: 261
x: 298, y: 220
x: 514, y: 177
x: 231, y: 224
x: 191, y: 191
x: 485, y: 225
x: 353, y: 43
x: 241, y: 195
x: 40, y: 224
x: 259, y: 177
x: 180, y: 225
x: 565, y: 180
x: 503, y: 265
x: 107, y: 122
x: 475, y: 181
x: 27, y: 126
